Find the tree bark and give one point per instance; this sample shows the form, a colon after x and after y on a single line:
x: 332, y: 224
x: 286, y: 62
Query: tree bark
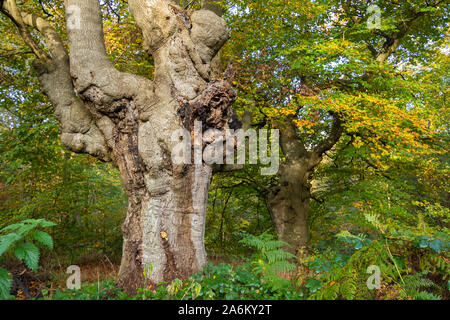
x: 130, y: 120
x: 289, y: 201
x: 288, y: 204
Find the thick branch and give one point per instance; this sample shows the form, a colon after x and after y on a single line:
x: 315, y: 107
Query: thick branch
x: 79, y: 132
x: 291, y: 144
x: 393, y: 41
x: 9, y: 8
x: 89, y: 64
x: 333, y: 137
x: 86, y: 40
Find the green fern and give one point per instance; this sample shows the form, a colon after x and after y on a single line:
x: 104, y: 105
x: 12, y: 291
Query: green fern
x: 348, y: 289
x: 270, y: 260
x: 414, y: 285
x: 19, y: 240
x: 348, y: 281
x: 5, y: 284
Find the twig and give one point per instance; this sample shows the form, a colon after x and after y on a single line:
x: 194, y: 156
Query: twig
x: 393, y: 260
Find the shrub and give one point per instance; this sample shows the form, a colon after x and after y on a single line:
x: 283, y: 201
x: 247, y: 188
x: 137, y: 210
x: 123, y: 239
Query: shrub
x: 270, y: 261
x: 21, y: 239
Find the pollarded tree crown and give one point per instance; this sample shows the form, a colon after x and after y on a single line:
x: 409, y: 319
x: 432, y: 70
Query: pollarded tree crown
x: 160, y: 19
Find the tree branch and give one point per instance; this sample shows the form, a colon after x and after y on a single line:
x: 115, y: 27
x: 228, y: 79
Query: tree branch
x: 48, y: 14
x: 95, y: 76
x: 79, y: 132
x: 9, y: 8
x: 291, y: 145
x: 332, y: 139
x: 213, y: 6
x: 393, y: 41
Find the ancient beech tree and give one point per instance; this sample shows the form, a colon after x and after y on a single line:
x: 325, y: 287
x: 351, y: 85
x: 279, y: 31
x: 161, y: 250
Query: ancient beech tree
x: 129, y: 120
x: 310, y: 69
x: 289, y: 201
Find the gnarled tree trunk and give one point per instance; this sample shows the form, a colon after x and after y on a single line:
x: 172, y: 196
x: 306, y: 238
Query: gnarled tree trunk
x: 289, y: 201
x: 130, y: 121
x: 288, y: 204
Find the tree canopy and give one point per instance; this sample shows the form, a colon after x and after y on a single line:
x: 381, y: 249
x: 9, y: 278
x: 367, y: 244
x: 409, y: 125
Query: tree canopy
x: 358, y: 91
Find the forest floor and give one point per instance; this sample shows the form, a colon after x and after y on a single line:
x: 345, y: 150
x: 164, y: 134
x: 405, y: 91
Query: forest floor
x: 96, y: 269
x: 52, y: 275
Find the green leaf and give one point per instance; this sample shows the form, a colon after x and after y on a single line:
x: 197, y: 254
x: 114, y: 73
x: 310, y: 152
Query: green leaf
x: 25, y: 228
x: 7, y: 240
x: 436, y: 245
x: 5, y: 284
x: 428, y: 9
x: 313, y: 284
x: 399, y: 262
x: 29, y: 253
x: 20, y: 252
x: 12, y: 227
x: 33, y: 222
x: 44, y: 238
x: 44, y: 223
x: 423, y: 243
